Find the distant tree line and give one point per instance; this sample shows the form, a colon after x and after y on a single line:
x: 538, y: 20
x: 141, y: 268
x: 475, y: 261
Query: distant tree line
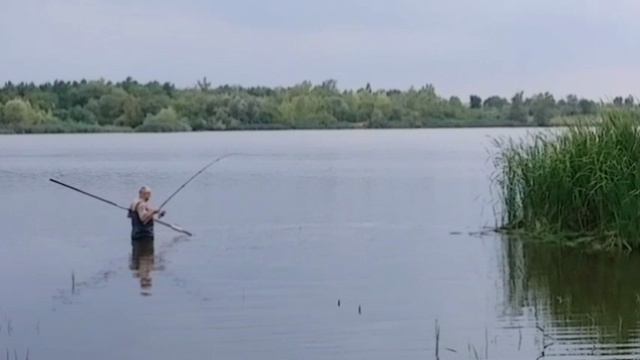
x: 99, y: 105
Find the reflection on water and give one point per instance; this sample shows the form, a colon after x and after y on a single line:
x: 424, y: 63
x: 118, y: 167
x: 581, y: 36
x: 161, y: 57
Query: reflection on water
x: 145, y: 260
x: 142, y: 262
x: 361, y: 216
x: 587, y: 305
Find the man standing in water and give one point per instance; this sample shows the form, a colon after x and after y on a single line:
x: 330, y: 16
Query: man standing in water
x: 142, y: 251
x: 142, y: 216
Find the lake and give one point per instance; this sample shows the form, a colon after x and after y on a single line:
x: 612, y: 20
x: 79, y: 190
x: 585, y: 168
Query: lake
x: 307, y: 245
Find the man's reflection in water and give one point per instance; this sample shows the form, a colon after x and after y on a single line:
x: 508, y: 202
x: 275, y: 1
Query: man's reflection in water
x: 142, y: 263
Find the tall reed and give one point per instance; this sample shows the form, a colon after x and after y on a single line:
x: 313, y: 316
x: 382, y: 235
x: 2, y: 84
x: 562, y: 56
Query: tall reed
x: 580, y: 184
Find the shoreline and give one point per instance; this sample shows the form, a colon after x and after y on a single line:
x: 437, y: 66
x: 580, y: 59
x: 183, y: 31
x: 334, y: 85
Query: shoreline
x: 106, y: 130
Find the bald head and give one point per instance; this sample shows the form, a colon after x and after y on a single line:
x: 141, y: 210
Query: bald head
x: 145, y: 193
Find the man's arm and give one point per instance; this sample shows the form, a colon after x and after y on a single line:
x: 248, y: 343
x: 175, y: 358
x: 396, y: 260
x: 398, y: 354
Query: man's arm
x: 144, y: 213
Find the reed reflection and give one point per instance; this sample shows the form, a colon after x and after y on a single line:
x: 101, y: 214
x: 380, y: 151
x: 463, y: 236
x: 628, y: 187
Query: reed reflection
x: 581, y: 297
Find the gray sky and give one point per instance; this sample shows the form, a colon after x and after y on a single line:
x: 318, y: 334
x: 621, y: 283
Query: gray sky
x: 486, y: 47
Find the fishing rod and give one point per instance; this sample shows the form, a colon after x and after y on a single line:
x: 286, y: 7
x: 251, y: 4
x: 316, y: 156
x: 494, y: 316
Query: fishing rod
x: 170, y: 226
x: 193, y: 177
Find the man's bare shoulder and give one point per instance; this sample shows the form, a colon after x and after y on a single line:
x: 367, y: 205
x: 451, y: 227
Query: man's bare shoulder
x: 139, y: 206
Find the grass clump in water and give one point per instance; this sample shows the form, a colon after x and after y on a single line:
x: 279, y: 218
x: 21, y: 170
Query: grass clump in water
x: 579, y: 185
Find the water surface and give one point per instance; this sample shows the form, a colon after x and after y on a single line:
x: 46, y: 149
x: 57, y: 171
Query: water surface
x: 385, y: 223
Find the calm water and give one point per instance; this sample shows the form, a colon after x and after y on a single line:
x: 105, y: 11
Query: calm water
x: 384, y: 221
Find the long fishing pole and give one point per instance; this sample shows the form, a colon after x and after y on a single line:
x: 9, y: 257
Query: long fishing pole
x: 88, y: 194
x: 170, y: 226
x: 193, y: 177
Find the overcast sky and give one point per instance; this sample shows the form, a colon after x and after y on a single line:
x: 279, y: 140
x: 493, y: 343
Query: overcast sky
x: 587, y: 47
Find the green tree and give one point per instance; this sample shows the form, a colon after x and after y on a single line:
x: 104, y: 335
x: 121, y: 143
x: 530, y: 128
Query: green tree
x: 629, y: 101
x: 43, y: 100
x: 377, y: 119
x: 152, y: 103
x: 455, y: 101
x: 18, y: 112
x: 221, y: 120
x: 85, y: 91
x: 144, y: 106
x: 204, y: 85
x: 542, y: 108
x: 82, y: 115
x: 132, y: 115
x: 328, y: 87
x: 570, y: 105
x: 518, y: 111
x: 475, y: 102
x: 495, y: 102
x: 111, y: 106
x: 587, y: 107
x: 164, y: 121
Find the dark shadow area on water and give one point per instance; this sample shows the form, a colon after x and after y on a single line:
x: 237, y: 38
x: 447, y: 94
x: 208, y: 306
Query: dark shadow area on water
x: 142, y: 264
x: 586, y: 305
x: 144, y: 259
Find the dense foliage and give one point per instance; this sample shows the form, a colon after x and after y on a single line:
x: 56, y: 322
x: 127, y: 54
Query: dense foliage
x: 129, y: 105
x: 581, y: 183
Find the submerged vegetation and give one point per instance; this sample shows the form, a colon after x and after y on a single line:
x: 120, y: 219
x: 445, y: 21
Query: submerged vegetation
x: 579, y: 185
x: 98, y: 105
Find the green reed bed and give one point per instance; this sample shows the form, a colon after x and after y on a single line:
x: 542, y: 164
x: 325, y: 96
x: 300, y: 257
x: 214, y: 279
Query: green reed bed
x: 577, y: 185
